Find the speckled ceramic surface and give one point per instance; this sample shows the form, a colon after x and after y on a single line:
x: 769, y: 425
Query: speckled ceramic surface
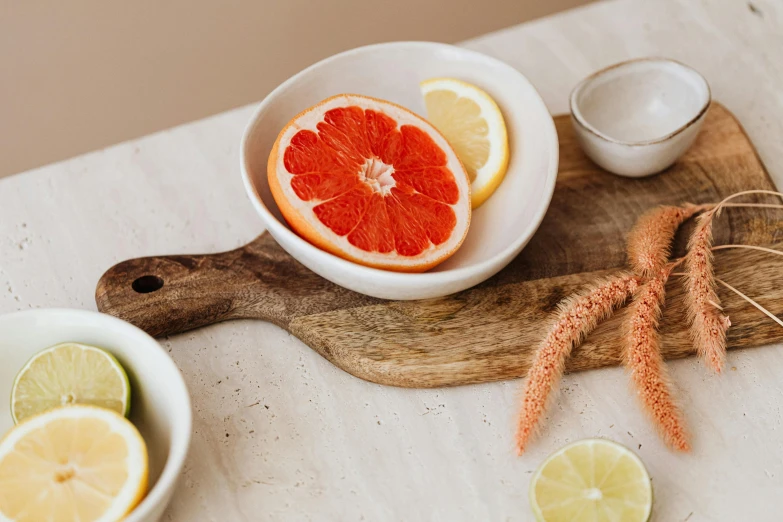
x: 637, y: 117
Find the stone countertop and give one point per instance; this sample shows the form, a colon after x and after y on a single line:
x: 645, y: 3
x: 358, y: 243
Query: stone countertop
x: 281, y: 434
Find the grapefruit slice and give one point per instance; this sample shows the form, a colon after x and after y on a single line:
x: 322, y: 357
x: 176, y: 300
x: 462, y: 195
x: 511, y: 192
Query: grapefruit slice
x: 371, y: 182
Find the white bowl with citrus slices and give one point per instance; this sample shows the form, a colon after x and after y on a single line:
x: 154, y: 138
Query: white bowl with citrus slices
x: 405, y: 170
x: 96, y: 420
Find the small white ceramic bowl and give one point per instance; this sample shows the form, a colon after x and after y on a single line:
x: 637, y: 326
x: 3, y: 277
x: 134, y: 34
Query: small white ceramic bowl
x: 160, y: 404
x: 499, y: 229
x: 636, y: 118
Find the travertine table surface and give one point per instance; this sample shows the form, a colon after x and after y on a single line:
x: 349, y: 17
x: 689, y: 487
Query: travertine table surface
x: 280, y: 434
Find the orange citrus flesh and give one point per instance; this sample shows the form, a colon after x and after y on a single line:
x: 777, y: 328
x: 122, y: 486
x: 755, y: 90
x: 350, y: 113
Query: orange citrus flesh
x: 357, y: 182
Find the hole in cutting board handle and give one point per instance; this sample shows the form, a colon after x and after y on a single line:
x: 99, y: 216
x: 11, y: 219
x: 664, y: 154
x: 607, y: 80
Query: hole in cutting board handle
x: 146, y: 284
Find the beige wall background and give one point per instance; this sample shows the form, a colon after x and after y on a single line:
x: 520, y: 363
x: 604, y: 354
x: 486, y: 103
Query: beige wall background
x: 80, y: 75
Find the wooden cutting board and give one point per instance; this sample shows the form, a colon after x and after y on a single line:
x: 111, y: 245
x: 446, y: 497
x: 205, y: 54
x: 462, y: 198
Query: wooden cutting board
x: 489, y: 332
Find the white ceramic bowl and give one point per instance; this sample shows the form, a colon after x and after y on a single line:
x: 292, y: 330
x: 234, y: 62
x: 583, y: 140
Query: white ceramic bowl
x: 636, y: 118
x: 160, y: 404
x: 499, y: 229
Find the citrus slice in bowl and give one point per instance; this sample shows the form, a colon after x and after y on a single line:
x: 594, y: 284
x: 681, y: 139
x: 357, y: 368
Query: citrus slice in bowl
x: 70, y: 373
x: 472, y: 123
x: 371, y: 182
x: 593, y: 480
x: 72, y: 463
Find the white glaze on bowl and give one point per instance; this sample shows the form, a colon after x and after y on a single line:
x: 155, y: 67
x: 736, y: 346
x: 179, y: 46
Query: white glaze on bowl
x: 637, y: 117
x: 499, y: 229
x: 160, y: 404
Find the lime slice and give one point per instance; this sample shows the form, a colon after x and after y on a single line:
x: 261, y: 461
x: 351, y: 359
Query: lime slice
x: 70, y: 373
x: 592, y: 480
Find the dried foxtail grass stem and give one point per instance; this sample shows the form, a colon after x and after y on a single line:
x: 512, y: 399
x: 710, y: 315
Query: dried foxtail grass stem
x: 745, y: 297
x: 751, y: 205
x: 746, y: 193
x: 708, y: 325
x: 578, y: 316
x: 749, y: 247
x: 751, y: 301
x: 649, y: 242
x: 642, y: 356
x: 649, y: 248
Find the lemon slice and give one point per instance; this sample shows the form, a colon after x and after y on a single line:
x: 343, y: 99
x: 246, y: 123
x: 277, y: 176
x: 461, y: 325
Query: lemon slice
x: 72, y: 463
x: 592, y: 480
x: 70, y: 373
x: 472, y: 123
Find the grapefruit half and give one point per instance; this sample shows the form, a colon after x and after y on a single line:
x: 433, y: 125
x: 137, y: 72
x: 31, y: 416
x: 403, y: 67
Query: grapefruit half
x: 371, y: 182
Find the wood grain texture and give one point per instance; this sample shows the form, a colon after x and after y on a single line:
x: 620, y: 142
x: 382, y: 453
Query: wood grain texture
x: 489, y: 332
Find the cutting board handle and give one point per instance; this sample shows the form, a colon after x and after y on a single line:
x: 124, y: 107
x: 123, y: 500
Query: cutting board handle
x: 171, y: 294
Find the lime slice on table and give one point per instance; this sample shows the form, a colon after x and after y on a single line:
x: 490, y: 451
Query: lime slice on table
x: 70, y: 373
x: 592, y: 480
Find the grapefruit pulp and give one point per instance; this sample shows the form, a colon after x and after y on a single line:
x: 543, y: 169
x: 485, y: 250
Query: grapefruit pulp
x: 371, y: 182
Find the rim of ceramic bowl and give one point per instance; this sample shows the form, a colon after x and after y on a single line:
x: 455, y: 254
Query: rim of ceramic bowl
x: 181, y: 433
x: 582, y: 122
x: 272, y: 222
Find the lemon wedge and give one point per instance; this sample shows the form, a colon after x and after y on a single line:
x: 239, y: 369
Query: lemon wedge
x: 472, y: 123
x: 592, y: 480
x: 72, y: 463
x: 70, y: 373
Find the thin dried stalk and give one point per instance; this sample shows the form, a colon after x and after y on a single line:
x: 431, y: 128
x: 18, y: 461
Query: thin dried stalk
x: 643, y: 357
x: 649, y: 242
x: 749, y: 247
x: 745, y: 193
x: 708, y: 325
x: 752, y: 205
x: 577, y: 317
x: 751, y: 301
